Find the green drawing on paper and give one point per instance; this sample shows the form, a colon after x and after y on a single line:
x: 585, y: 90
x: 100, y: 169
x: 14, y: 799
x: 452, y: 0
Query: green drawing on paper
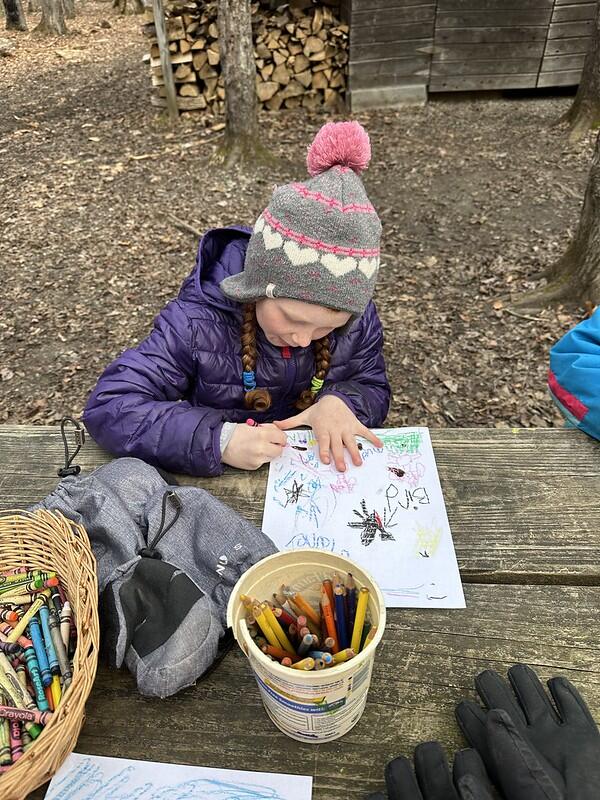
x: 400, y: 443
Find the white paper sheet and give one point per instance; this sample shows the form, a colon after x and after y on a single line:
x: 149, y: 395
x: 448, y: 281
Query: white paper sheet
x: 388, y: 515
x: 98, y: 778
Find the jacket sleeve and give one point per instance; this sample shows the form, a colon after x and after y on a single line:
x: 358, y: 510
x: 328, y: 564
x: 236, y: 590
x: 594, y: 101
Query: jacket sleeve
x: 364, y: 386
x: 574, y: 375
x: 138, y: 407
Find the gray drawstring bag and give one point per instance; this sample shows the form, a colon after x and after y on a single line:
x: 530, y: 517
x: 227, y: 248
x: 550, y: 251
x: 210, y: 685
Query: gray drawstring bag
x: 168, y: 557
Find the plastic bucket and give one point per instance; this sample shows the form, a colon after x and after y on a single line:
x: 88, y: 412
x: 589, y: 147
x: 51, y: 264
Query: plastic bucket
x: 316, y: 706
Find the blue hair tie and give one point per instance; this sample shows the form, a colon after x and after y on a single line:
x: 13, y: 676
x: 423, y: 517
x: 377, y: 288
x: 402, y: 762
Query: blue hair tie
x: 249, y: 381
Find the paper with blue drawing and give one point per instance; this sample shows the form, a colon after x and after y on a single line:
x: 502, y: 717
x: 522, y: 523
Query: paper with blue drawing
x: 388, y: 515
x: 84, y: 777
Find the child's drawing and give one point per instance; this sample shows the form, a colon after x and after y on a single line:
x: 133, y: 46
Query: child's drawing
x: 99, y: 778
x: 371, y: 524
x: 388, y: 514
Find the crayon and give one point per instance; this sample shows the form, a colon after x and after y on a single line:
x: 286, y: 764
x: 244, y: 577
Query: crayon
x: 56, y: 691
x: 27, y: 586
x: 59, y: 647
x: 23, y: 599
x: 264, y: 626
x: 340, y: 618
x: 48, y: 644
x: 9, y: 683
x: 54, y: 595
x: 344, y: 655
x: 40, y: 651
x: 277, y: 629
x: 20, y: 577
x: 5, y: 757
x: 305, y: 664
x: 365, y: 632
x: 370, y: 637
x: 36, y: 678
x: 8, y: 615
x: 10, y: 648
x: 24, y: 621
x: 16, y: 743
x: 329, y: 622
x: 22, y: 641
x: 65, y: 623
x: 361, y: 611
x: 15, y: 571
x: 26, y: 739
x: 305, y: 645
x: 305, y: 607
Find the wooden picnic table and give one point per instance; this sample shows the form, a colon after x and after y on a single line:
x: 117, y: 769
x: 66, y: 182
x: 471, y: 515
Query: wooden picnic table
x: 524, y: 508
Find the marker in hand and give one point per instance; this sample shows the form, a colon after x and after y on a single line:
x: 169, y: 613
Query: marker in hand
x: 253, y: 423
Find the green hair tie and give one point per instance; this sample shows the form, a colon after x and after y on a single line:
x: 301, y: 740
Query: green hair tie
x: 316, y: 385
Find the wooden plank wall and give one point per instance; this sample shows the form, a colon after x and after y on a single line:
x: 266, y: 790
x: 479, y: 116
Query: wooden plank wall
x: 390, y: 43
x: 463, y: 45
x: 488, y: 44
x: 567, y: 42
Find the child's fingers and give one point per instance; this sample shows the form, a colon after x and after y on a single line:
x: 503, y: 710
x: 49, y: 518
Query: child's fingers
x: 370, y: 436
x: 324, y: 441
x: 275, y: 434
x: 337, y: 451
x: 290, y: 422
x: 270, y: 451
x: 352, y: 448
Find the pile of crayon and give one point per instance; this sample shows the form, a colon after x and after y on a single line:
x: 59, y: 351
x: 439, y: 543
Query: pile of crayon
x: 37, y: 642
x: 289, y: 629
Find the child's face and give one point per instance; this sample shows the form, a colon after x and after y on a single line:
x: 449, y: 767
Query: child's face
x: 293, y: 323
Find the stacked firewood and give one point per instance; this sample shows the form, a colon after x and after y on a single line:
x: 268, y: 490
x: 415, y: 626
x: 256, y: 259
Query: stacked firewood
x: 301, y: 55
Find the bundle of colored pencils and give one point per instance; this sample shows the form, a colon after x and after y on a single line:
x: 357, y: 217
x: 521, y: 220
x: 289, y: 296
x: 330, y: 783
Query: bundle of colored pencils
x: 289, y: 629
x: 37, y: 642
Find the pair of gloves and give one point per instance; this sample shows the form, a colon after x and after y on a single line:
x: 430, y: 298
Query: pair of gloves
x: 521, y: 744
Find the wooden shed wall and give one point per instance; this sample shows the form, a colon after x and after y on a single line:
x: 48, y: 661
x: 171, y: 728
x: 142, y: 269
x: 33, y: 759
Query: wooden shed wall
x: 398, y: 47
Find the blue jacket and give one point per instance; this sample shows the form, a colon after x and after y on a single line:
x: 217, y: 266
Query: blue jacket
x: 165, y: 400
x: 574, y: 375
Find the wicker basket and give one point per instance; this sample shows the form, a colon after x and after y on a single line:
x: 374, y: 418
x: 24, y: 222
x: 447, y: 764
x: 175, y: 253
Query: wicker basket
x: 48, y: 541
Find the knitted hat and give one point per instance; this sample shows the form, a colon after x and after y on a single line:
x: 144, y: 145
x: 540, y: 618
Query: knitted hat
x: 317, y: 241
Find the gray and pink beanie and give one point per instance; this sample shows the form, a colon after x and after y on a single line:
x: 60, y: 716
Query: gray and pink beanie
x: 317, y: 241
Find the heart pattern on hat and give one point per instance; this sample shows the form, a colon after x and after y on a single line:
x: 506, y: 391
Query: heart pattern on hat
x: 259, y: 224
x: 272, y: 238
x: 368, y: 266
x: 338, y: 266
x: 300, y: 255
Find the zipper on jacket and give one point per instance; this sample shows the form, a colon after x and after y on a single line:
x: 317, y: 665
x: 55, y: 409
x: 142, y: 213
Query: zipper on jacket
x: 286, y: 352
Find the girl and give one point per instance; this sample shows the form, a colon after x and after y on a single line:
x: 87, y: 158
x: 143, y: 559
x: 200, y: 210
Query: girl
x: 269, y: 322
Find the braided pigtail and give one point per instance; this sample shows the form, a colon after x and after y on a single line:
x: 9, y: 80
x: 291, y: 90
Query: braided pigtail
x: 254, y: 399
x: 322, y: 364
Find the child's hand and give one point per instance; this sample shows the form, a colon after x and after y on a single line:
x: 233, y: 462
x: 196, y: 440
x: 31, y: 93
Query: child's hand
x: 251, y: 447
x: 335, y: 428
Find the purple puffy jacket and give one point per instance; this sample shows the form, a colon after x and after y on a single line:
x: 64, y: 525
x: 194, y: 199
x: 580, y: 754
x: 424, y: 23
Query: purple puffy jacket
x: 165, y: 400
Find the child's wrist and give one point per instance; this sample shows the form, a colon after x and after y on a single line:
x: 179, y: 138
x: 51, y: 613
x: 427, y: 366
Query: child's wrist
x: 227, y: 432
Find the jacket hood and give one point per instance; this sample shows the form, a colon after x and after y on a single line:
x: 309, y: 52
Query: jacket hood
x: 221, y: 253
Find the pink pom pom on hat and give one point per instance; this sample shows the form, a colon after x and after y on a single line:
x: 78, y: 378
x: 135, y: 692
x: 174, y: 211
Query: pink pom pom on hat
x: 344, y: 144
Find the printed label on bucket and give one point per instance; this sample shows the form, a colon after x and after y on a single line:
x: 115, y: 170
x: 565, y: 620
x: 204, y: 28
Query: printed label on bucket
x: 319, y: 712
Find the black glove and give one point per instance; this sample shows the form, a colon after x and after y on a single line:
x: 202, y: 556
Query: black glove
x: 431, y: 779
x: 531, y: 751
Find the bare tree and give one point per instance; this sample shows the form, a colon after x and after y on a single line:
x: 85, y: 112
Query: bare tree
x: 15, y: 17
x: 239, y: 75
x: 53, y: 18
x: 585, y: 110
x: 576, y: 275
x: 137, y: 6
x: 69, y: 8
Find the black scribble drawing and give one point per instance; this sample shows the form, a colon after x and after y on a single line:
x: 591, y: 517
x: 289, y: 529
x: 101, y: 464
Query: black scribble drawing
x: 399, y: 473
x: 298, y: 447
x: 437, y: 597
x: 424, y: 553
x: 294, y: 494
x: 371, y: 524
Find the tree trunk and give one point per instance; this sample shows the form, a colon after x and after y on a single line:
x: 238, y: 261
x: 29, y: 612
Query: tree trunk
x: 585, y: 110
x: 53, y: 18
x: 576, y: 275
x: 69, y: 8
x: 15, y: 18
x: 241, y: 142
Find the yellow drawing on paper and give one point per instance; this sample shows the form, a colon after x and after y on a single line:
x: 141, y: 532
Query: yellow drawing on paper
x: 427, y: 540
